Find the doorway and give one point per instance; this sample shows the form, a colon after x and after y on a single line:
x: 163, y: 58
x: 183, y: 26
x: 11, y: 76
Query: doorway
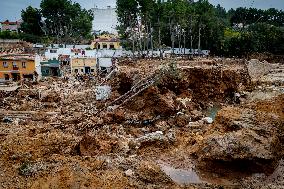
x: 87, y: 70
x: 16, y: 76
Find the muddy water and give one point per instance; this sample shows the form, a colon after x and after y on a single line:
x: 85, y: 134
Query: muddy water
x: 181, y: 176
x: 187, y: 176
x: 212, y: 111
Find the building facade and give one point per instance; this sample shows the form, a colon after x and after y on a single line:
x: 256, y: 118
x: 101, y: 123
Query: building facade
x: 106, y: 42
x: 11, y: 26
x: 83, y: 65
x: 17, y: 67
x: 50, y: 68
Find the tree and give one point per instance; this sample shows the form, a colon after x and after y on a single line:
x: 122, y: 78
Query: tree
x: 198, y: 24
x: 9, y: 35
x: 32, y: 26
x: 66, y: 21
x: 127, y: 12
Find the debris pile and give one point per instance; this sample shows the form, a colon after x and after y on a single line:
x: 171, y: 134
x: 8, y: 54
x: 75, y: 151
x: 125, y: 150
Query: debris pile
x: 206, y: 116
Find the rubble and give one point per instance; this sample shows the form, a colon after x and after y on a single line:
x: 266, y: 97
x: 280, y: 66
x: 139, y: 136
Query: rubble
x: 208, y: 120
x: 194, y: 115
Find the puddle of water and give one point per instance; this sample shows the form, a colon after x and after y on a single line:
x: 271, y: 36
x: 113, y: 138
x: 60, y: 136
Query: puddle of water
x: 212, y: 111
x: 181, y: 176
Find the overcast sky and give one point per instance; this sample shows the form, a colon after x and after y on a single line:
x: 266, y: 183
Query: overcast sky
x: 11, y: 9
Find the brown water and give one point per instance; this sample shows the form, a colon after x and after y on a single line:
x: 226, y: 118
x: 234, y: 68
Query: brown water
x: 181, y: 176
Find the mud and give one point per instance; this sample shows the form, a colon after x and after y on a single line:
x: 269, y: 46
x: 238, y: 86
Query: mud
x: 54, y: 134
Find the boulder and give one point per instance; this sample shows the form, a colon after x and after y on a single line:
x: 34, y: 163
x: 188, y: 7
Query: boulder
x: 151, y: 172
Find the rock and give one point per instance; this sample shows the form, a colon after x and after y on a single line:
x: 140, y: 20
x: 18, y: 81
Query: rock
x: 208, y: 120
x: 151, y: 172
x: 152, y: 137
x: 7, y: 120
x: 196, y: 115
x: 182, y: 120
x: 171, y: 136
x: 129, y: 173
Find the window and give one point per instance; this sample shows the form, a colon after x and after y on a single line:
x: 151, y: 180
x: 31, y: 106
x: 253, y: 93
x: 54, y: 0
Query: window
x: 92, y: 70
x: 15, y: 65
x: 76, y: 53
x: 104, y: 46
x: 82, y: 70
x: 5, y: 64
x: 76, y: 70
x: 53, y: 51
x: 24, y: 65
x: 111, y: 47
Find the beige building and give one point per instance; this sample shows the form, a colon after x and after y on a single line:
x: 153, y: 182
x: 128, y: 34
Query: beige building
x: 106, y: 41
x: 83, y: 65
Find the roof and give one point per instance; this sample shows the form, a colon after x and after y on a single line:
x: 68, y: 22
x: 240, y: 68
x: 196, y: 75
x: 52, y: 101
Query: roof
x: 52, y: 65
x: 18, y: 57
x: 107, y: 40
x: 7, y: 22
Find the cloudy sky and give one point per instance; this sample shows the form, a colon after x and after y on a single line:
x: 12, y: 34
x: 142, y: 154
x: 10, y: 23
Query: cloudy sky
x: 11, y: 9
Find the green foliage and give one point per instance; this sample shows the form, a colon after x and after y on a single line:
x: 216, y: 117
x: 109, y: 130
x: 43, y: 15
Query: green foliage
x: 9, y: 35
x: 32, y: 22
x: 237, y: 32
x: 61, y: 21
x: 66, y: 21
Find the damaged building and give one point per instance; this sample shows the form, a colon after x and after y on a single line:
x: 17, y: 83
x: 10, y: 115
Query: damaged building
x: 15, y: 67
x: 83, y: 65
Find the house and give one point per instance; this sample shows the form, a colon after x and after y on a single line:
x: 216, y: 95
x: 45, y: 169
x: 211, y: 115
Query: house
x: 106, y: 41
x: 20, y: 66
x: 11, y: 26
x: 52, y: 53
x: 83, y: 65
x: 105, y: 65
x: 50, y: 68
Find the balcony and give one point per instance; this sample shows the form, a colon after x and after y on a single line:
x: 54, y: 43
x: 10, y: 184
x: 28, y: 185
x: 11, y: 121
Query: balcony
x: 15, y: 68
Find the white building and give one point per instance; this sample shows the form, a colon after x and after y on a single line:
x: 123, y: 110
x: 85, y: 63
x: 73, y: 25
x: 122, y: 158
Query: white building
x: 105, y: 19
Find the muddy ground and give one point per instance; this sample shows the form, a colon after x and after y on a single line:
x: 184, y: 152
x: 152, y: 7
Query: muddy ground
x: 167, y: 124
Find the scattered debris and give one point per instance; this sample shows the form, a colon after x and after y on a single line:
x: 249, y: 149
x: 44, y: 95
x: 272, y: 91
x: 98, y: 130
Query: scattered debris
x: 211, y: 125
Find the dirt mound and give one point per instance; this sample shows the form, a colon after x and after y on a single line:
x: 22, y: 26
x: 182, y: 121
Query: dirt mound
x: 154, y: 102
x: 257, y: 68
x: 92, y: 146
x: 187, y: 88
x: 214, y: 84
x: 244, y: 136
